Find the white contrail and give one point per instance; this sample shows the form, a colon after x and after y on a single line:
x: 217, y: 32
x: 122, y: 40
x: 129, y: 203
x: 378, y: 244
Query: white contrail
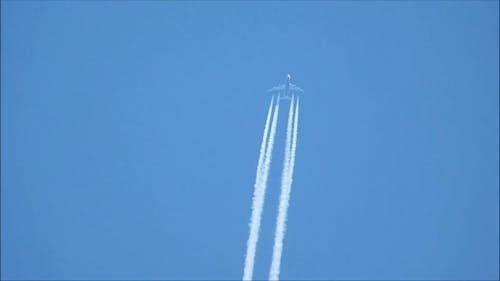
x: 260, y: 189
x: 294, y: 141
x: 263, y: 145
x: 257, y: 196
x: 286, y: 185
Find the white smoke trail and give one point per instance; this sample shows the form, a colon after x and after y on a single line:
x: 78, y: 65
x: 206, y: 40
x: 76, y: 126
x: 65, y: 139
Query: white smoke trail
x: 263, y: 145
x: 294, y: 141
x: 260, y: 189
x: 286, y: 185
x: 257, y: 196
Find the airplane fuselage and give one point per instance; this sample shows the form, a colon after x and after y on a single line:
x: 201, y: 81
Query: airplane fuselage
x: 287, y: 93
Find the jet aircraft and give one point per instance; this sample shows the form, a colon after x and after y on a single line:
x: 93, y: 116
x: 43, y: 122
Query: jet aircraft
x: 287, y: 90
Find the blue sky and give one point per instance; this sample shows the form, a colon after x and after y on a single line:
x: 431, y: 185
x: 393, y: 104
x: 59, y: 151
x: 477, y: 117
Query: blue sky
x: 130, y: 134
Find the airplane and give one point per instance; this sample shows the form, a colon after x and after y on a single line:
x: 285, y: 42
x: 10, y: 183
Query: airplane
x: 287, y: 89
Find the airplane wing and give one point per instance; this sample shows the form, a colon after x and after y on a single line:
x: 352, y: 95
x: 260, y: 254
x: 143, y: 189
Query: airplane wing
x: 294, y: 87
x: 277, y: 88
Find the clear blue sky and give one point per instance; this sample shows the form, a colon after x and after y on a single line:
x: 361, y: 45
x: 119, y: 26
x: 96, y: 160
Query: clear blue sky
x: 130, y: 134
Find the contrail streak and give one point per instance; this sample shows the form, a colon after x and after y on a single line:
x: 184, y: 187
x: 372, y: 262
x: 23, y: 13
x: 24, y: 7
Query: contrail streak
x: 286, y: 186
x: 257, y: 197
x: 294, y: 141
x: 260, y: 189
